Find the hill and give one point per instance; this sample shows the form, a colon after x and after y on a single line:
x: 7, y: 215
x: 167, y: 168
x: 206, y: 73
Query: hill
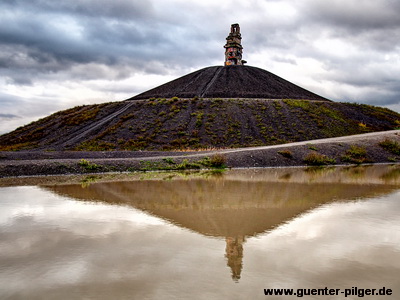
x: 215, y: 107
x: 230, y: 82
x: 174, y: 123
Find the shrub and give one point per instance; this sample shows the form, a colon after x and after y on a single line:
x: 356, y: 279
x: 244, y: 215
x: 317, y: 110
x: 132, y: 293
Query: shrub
x: 357, y: 151
x: 88, y: 165
x: 169, y: 160
x: 316, y: 159
x: 355, y: 154
x: 391, y: 146
x: 218, y: 161
x: 199, y: 119
x: 286, y: 153
x: 186, y: 164
x: 362, y: 125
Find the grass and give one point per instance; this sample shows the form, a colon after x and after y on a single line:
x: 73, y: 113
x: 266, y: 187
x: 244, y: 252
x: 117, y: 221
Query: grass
x: 356, y: 155
x: 169, y: 160
x: 297, y: 103
x: 156, y: 165
x: 199, y: 119
x: 88, y: 166
x: 286, y: 153
x: 391, y: 146
x: 317, y: 159
x: 88, y: 113
x: 216, y: 161
x: 17, y: 147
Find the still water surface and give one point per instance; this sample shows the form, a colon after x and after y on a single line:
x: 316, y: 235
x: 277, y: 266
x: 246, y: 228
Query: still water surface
x: 200, y: 236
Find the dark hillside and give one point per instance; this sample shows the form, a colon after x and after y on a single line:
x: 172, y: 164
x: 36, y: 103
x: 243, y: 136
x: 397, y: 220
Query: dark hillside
x: 230, y: 82
x: 164, y: 124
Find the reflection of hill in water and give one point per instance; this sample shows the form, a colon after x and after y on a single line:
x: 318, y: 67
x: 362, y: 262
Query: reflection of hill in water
x: 238, y: 204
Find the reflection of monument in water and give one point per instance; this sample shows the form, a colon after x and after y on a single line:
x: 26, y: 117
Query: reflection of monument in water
x: 232, y: 208
x: 234, y: 254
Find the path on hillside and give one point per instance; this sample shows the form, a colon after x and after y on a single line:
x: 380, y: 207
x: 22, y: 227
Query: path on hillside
x: 203, y: 93
x: 82, y: 133
x: 372, y: 136
x: 349, y: 138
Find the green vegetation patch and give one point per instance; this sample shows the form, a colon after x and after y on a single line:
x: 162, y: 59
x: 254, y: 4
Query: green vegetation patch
x: 82, y: 116
x: 317, y: 159
x: 88, y: 166
x: 304, y: 104
x: 146, y: 165
x: 311, y: 147
x: 391, y: 146
x: 17, y: 147
x: 216, y: 161
x: 356, y: 155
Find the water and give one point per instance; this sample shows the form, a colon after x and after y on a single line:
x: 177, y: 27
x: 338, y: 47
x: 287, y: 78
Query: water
x: 201, y: 236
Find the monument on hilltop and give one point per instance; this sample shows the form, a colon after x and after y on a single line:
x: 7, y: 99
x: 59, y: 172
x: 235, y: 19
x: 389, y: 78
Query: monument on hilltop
x: 233, y: 47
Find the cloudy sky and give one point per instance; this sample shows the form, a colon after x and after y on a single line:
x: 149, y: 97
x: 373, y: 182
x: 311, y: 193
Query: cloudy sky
x: 58, y: 54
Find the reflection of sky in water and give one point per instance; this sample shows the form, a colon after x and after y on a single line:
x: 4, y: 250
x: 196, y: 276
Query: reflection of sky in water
x: 352, y: 244
x: 53, y: 247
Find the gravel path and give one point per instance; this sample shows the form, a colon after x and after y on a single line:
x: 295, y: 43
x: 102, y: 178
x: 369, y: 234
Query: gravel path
x: 27, y: 163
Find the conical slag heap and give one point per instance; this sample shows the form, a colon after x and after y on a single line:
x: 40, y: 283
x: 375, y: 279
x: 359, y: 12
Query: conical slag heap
x: 233, y: 80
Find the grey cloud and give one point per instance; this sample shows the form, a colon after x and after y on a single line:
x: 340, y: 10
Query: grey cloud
x: 90, y: 8
x: 364, y: 23
x: 357, y: 15
x: 8, y: 116
x: 15, y: 105
x: 38, y: 44
x: 284, y: 59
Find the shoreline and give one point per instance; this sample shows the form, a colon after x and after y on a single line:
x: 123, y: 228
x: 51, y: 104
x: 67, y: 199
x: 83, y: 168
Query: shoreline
x: 336, y: 151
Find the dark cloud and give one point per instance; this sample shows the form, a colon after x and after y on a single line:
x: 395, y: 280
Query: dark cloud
x: 42, y: 37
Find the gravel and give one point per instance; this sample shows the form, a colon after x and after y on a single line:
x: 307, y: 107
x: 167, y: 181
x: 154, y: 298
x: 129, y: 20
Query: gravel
x: 28, y: 163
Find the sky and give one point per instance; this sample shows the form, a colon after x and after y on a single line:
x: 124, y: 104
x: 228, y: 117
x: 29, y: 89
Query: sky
x: 56, y: 55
